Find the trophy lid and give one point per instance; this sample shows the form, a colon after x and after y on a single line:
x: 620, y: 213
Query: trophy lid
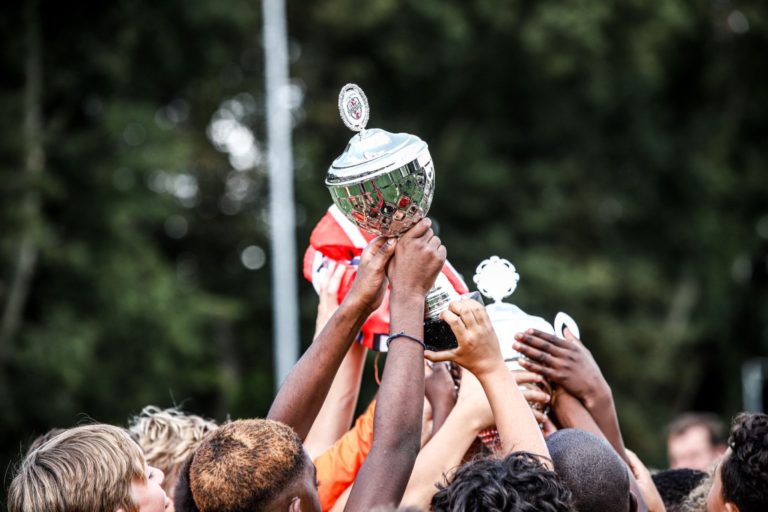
x: 496, y: 278
x: 369, y: 152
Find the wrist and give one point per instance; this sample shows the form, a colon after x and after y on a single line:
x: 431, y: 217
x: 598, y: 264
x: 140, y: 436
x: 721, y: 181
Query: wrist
x: 406, y: 294
x: 490, y: 368
x: 354, y: 305
x: 601, y: 396
x: 406, y: 303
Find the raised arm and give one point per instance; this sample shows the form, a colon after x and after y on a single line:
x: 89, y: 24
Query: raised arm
x: 585, y: 400
x: 440, y: 393
x: 445, y: 451
x: 304, y: 390
x: 569, y: 364
x: 418, y: 258
x: 337, y: 412
x: 479, y: 352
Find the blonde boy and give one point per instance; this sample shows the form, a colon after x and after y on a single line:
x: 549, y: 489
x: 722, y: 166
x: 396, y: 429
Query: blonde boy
x: 168, y: 437
x: 88, y: 468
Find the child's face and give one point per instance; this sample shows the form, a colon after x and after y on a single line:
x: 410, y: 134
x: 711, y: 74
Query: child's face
x: 149, y: 495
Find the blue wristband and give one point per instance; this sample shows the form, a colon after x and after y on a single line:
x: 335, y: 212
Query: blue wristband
x: 401, y: 334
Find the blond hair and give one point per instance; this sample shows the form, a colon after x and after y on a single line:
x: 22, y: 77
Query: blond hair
x: 168, y: 437
x: 80, y: 469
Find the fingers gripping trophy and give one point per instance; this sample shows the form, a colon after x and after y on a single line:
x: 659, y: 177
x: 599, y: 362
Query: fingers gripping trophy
x: 497, y: 278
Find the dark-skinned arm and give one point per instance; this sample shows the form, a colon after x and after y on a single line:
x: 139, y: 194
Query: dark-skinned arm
x: 336, y: 414
x: 441, y: 394
x: 418, y: 258
x: 584, y: 400
x: 569, y: 364
x: 304, y: 390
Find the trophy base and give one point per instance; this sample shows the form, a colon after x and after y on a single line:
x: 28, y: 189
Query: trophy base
x: 439, y: 336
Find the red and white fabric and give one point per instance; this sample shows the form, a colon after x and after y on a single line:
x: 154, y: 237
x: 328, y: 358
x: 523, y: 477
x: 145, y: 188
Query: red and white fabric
x: 337, y: 238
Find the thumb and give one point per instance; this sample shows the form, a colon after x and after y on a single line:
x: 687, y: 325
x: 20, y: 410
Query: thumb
x: 570, y: 337
x: 384, y: 251
x: 372, y: 248
x: 439, y: 357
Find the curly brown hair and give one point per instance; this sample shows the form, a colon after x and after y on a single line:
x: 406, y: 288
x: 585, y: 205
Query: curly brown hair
x: 744, y: 472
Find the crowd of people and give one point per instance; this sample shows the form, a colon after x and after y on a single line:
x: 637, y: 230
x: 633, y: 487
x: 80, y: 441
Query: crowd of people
x: 451, y: 430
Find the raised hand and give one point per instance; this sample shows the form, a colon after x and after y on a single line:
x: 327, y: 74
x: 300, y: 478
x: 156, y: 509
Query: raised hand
x: 417, y: 260
x: 535, y: 396
x: 569, y: 364
x: 329, y: 294
x: 479, y: 352
x: 478, y: 349
x: 371, y: 280
x: 566, y: 362
x: 418, y: 257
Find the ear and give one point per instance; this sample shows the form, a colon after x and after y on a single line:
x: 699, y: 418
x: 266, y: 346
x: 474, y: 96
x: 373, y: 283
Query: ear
x: 295, y: 505
x: 731, y: 507
x: 633, y: 505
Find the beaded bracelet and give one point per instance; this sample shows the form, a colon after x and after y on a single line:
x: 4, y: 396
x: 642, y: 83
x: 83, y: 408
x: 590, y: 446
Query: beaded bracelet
x: 401, y: 334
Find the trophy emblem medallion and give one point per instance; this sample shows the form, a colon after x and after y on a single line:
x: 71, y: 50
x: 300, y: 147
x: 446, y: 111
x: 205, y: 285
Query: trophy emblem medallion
x: 353, y: 107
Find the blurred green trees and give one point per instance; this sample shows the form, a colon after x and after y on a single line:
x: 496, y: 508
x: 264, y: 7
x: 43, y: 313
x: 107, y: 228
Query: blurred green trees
x: 614, y: 152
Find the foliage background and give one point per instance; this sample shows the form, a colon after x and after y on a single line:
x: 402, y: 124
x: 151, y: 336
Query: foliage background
x: 615, y: 152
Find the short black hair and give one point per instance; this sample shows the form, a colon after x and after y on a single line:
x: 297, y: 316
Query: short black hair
x: 744, y: 472
x: 517, y: 483
x: 183, y: 501
x: 675, y: 485
x: 592, y: 470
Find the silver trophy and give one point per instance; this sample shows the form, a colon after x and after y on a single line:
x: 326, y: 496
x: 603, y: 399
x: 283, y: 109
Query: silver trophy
x: 383, y: 182
x: 497, y: 279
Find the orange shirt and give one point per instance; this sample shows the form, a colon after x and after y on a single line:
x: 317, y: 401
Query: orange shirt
x: 337, y: 467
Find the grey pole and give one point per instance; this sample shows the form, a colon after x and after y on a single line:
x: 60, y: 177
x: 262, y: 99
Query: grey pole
x: 285, y: 311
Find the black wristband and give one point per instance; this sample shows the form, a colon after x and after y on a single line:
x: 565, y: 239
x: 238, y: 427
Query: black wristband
x: 401, y: 334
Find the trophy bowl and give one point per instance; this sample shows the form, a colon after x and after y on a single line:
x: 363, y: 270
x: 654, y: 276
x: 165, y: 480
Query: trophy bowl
x: 383, y: 182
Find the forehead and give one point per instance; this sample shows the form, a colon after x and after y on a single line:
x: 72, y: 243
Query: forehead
x: 693, y: 435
